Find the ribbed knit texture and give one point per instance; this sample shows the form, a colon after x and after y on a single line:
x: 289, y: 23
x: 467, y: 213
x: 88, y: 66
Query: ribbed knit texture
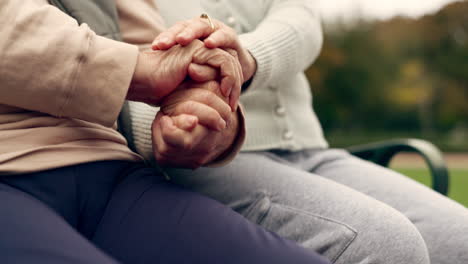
x: 142, y: 118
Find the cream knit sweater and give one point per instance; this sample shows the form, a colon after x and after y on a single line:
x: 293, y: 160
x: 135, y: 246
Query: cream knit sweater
x: 285, y: 37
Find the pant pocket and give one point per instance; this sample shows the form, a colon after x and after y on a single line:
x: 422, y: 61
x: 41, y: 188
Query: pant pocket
x: 326, y: 236
x: 254, y: 208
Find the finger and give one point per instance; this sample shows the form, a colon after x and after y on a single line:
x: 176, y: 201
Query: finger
x: 180, y: 139
x: 220, y: 59
x: 232, y: 82
x: 185, y: 122
x: 206, y: 115
x: 214, y: 87
x: 185, y: 149
x: 167, y: 39
x: 175, y: 137
x: 201, y: 93
x: 235, y: 93
x: 166, y: 154
x: 202, y: 73
x: 160, y: 148
x: 224, y: 37
x: 162, y: 127
x: 198, y: 28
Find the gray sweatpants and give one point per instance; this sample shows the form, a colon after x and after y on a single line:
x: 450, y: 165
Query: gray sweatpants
x: 347, y: 209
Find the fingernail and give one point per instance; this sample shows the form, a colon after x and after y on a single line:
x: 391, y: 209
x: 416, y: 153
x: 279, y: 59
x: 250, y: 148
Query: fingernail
x: 191, y: 121
x: 228, y: 91
x: 155, y: 46
x: 233, y: 107
x: 210, y: 43
x: 184, y: 35
x: 164, y: 40
x: 222, y: 124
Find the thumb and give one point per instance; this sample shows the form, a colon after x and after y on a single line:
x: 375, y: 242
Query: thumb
x: 202, y: 73
x: 185, y: 122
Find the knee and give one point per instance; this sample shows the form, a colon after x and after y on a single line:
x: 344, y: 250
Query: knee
x: 391, y: 238
x: 402, y: 242
x: 446, y: 234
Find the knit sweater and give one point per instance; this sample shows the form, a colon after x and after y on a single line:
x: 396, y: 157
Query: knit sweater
x: 284, y: 37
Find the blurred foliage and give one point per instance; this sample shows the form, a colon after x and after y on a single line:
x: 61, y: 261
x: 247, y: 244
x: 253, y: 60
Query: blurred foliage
x: 402, y: 76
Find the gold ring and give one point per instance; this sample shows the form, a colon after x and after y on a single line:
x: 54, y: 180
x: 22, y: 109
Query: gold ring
x: 206, y: 16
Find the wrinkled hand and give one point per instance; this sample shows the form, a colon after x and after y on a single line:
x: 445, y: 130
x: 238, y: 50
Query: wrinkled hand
x: 194, y: 127
x: 224, y: 37
x: 159, y: 73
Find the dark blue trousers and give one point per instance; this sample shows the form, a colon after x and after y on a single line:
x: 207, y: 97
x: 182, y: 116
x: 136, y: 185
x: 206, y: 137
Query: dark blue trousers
x: 122, y: 212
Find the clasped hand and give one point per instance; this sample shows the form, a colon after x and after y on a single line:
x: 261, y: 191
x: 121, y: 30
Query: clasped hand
x: 197, y: 84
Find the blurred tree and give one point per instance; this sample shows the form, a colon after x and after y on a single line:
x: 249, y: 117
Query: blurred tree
x: 398, y: 75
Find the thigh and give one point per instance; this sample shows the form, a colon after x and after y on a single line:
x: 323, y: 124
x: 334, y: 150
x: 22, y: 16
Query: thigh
x: 442, y: 222
x: 31, y: 232
x: 149, y: 219
x: 344, y: 225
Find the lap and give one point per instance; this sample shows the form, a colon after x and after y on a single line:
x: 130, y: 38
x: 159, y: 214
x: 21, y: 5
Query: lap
x: 442, y: 222
x: 383, y: 184
x: 31, y: 232
x: 321, y: 214
x: 332, y: 185
x: 146, y: 219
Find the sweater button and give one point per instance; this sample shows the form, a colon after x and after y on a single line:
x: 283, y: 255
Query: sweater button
x: 231, y: 21
x: 280, y: 111
x: 288, y: 135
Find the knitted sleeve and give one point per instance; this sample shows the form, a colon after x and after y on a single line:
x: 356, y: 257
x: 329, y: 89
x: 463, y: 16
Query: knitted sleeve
x: 286, y: 41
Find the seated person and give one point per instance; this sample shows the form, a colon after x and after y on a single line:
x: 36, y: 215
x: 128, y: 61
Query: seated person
x: 71, y: 190
x: 287, y: 179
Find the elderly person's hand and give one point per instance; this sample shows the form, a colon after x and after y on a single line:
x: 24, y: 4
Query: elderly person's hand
x: 194, y: 127
x: 222, y: 36
x: 159, y: 73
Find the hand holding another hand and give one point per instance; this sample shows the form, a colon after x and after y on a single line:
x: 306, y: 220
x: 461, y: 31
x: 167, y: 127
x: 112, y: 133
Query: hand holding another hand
x: 194, y: 127
x: 224, y: 37
x: 159, y: 73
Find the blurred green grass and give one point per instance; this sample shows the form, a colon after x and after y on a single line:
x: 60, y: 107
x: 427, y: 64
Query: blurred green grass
x: 458, y: 189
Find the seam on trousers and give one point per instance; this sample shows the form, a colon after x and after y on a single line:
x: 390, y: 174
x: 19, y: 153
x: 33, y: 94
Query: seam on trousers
x: 315, y: 215
x: 254, y: 208
x: 300, y: 211
x: 127, y: 212
x: 265, y: 213
x: 344, y: 248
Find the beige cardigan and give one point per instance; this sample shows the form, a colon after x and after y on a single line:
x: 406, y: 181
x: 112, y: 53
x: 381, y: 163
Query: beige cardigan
x: 62, y: 86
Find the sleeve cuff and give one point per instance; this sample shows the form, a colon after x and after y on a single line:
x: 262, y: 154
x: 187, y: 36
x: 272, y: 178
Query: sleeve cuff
x: 262, y: 57
x: 232, y: 152
x: 104, y: 73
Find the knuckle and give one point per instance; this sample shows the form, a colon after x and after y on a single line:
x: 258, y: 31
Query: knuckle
x: 212, y: 86
x: 180, y: 24
x: 206, y: 96
x: 230, y: 31
x: 227, y: 31
x: 197, y: 43
x: 233, y: 53
x: 187, y: 107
